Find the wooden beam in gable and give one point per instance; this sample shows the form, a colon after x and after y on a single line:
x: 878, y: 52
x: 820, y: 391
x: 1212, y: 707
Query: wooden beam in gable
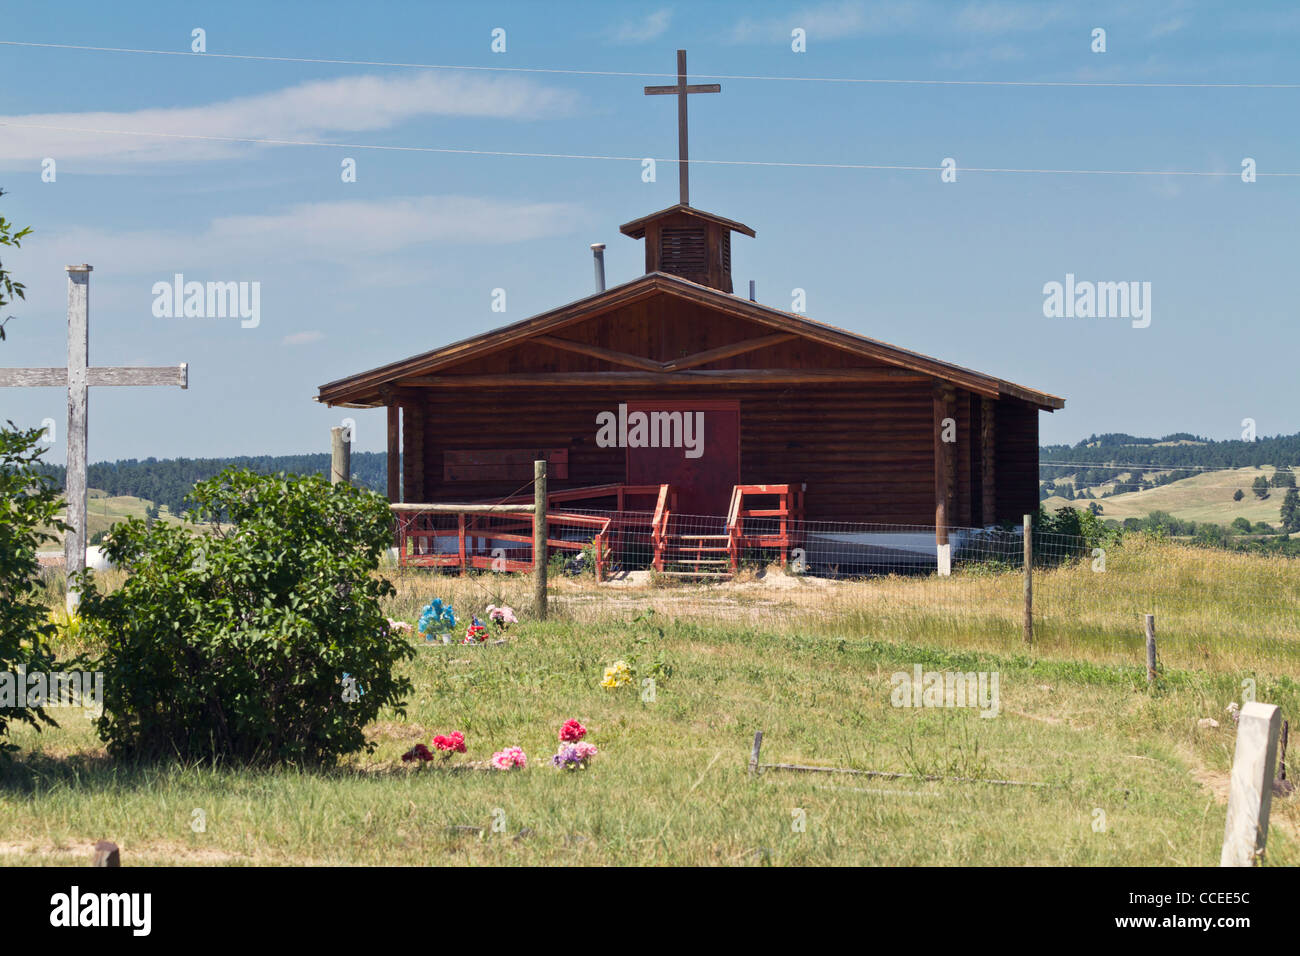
x: 595, y: 351
x: 728, y: 351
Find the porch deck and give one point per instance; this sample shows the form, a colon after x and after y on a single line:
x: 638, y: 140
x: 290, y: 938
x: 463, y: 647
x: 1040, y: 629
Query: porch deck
x: 604, y: 522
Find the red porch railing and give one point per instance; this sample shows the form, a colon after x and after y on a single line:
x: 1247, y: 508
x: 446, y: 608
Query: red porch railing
x: 787, y: 514
x: 480, y: 535
x: 419, y: 536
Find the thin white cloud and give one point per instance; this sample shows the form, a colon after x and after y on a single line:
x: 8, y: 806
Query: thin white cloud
x: 830, y: 21
x: 303, y: 338
x: 845, y: 19
x: 1167, y: 27
x: 361, y: 242
x: 316, y: 110
x: 650, y: 27
x: 980, y: 55
x: 998, y: 18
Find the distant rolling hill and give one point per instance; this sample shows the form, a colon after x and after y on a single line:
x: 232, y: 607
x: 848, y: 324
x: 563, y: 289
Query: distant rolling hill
x: 1189, y: 477
x: 1202, y: 497
x: 168, y: 481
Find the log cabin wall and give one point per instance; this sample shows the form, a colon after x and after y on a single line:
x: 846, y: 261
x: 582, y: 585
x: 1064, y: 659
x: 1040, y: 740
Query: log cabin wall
x: 1017, y: 460
x: 866, y: 453
x: 865, y: 450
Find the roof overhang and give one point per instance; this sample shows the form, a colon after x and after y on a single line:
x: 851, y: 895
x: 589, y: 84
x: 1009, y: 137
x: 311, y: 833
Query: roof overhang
x: 636, y: 228
x: 375, y: 388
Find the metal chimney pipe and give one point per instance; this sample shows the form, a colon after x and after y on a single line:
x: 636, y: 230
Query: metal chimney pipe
x: 598, y: 253
x: 751, y: 291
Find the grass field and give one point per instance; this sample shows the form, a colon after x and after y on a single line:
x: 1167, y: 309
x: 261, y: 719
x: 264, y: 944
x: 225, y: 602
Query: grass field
x: 806, y: 661
x: 104, y: 510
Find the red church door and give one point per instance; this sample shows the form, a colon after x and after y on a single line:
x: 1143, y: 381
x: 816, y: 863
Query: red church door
x: 698, y: 451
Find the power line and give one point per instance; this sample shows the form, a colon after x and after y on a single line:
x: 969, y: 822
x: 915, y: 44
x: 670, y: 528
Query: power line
x: 634, y: 159
x: 1102, y: 84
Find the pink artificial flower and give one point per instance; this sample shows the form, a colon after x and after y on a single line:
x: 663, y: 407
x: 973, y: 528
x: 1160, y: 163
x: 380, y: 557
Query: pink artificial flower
x: 509, y: 758
x: 585, y: 750
x: 502, y: 616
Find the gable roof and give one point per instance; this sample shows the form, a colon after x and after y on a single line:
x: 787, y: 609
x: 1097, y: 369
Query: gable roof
x: 636, y: 228
x: 362, y: 390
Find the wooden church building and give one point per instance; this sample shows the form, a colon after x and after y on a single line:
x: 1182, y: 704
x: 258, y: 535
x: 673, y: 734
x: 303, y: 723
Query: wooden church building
x: 673, y: 380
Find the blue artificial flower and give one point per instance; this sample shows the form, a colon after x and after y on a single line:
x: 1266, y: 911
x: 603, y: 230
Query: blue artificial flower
x: 436, y: 615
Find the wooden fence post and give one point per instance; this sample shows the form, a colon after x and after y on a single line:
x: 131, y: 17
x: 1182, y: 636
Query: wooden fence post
x: 1151, y: 647
x: 1250, y: 793
x: 340, y: 457
x: 1029, y: 579
x: 753, y: 754
x: 539, y: 538
x: 106, y: 854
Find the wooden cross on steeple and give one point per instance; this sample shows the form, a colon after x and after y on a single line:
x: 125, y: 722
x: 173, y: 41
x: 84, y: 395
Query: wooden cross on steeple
x: 681, y: 90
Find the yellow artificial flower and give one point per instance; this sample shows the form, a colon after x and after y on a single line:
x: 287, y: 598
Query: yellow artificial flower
x: 617, y: 674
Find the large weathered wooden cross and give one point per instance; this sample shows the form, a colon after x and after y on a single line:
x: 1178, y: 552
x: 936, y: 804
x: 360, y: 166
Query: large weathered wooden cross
x: 78, y: 377
x: 680, y: 89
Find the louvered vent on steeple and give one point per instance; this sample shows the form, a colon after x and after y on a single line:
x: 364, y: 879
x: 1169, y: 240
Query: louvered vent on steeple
x: 689, y: 243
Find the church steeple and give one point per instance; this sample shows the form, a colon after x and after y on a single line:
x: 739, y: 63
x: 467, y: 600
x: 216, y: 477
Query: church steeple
x: 688, y: 242
x: 681, y: 240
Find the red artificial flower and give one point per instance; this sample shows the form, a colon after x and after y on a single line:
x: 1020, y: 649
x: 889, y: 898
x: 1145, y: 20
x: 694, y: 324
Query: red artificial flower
x: 455, y: 742
x: 572, y: 731
x: 418, y: 752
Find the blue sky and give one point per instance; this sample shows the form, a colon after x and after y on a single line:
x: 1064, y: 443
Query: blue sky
x: 405, y: 259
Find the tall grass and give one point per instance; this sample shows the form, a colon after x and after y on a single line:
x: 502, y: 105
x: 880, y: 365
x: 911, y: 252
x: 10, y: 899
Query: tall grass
x: 807, y: 663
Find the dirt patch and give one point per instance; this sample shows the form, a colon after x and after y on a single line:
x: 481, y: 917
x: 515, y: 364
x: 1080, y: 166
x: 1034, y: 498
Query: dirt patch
x: 394, y: 731
x: 628, y: 579
x: 75, y: 853
x: 1282, y: 815
x: 1041, y: 718
x: 775, y: 576
x: 1215, y: 781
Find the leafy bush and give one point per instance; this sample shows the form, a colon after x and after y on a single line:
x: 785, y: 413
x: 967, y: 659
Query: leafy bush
x: 261, y: 640
x: 29, y: 505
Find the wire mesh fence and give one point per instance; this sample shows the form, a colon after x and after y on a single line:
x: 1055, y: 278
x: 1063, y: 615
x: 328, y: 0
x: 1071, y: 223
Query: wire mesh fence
x: 1088, y: 597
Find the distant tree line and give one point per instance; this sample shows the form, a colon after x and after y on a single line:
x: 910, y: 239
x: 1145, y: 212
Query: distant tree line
x: 168, y: 482
x: 1117, y: 450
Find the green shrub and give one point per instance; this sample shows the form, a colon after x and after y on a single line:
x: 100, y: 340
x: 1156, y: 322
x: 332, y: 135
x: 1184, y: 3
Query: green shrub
x: 236, y: 643
x: 29, y: 504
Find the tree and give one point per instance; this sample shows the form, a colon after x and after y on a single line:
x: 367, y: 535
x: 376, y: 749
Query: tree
x: 253, y: 631
x: 1282, y: 478
x: 29, y: 505
x: 1291, y: 510
x: 1260, y: 487
x: 1238, y: 495
x: 1242, y: 525
x: 9, y: 289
